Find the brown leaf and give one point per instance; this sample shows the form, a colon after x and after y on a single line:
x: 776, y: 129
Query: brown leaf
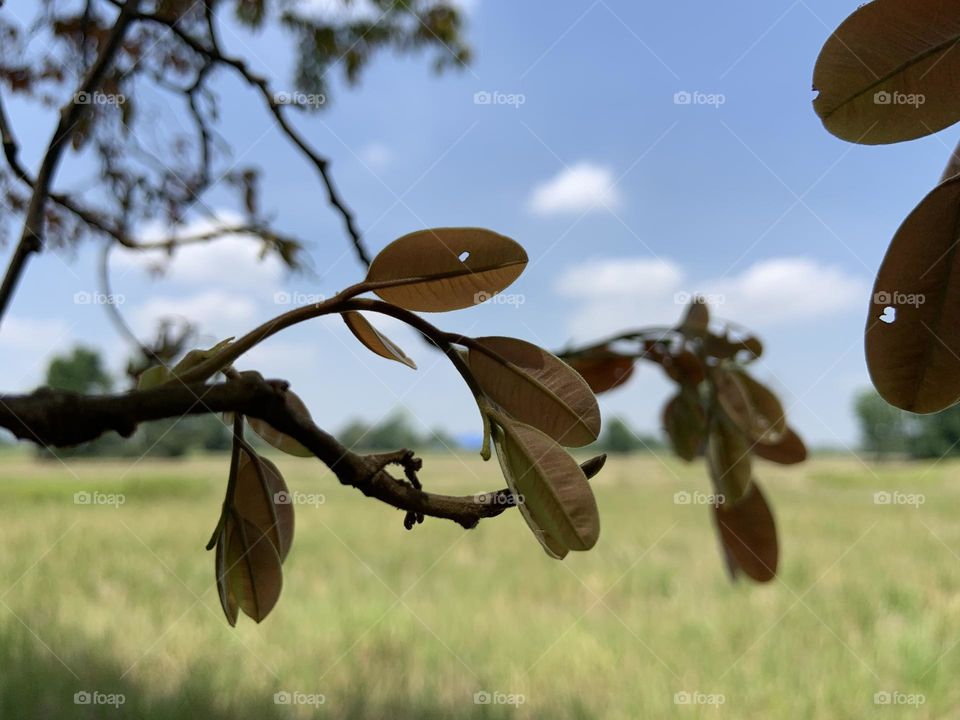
x: 537, y: 388
x: 754, y: 408
x: 262, y: 497
x: 749, y: 534
x: 603, y: 373
x: 788, y: 450
x: 558, y: 503
x: 446, y: 268
x: 728, y: 459
x: 685, y: 424
x: 248, y: 571
x: 913, y: 330
x: 697, y: 318
x: 594, y: 465
x: 374, y: 339
x: 278, y: 439
x: 684, y: 368
x: 890, y: 72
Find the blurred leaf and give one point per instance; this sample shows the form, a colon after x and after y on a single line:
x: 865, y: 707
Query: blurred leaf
x: 788, y: 450
x: 159, y: 375
x: 685, y: 423
x: 913, y: 330
x: 558, y: 503
x: 603, y: 373
x: 446, y: 268
x: 890, y: 72
x: 684, y: 368
x: 749, y: 534
x: 261, y: 497
x: 537, y: 388
x: 697, y: 318
x: 248, y: 571
x: 728, y: 459
x: 750, y: 404
x: 374, y: 340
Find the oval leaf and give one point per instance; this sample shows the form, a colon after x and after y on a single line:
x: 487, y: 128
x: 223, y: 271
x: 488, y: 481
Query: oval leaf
x: 789, y: 450
x: 685, y: 423
x: 751, y: 405
x: 728, y: 459
x: 748, y: 534
x: 537, y: 388
x: 227, y: 601
x: 374, y: 340
x: 913, y: 330
x: 252, y: 569
x: 278, y: 439
x: 558, y: 503
x: 446, y: 268
x: 261, y: 497
x: 890, y: 72
x: 603, y: 373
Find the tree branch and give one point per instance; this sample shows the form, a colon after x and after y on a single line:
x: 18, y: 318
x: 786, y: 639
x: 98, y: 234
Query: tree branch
x: 61, y: 419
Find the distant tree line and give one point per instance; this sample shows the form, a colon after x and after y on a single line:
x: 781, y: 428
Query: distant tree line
x: 886, y: 431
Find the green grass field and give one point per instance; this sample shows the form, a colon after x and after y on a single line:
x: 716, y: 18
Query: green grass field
x: 385, y: 623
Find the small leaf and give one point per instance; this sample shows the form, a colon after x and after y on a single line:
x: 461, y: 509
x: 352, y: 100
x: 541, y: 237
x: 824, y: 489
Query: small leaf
x: 424, y: 270
x: 558, y: 503
x: 261, y: 497
x: 278, y: 439
x: 749, y: 534
x: 788, y: 450
x: 912, y: 356
x: 594, y: 465
x: 754, y: 408
x: 685, y: 424
x: 160, y: 375
x: 153, y: 377
x: 728, y: 459
x: 890, y: 72
x: 374, y: 340
x: 248, y: 571
x: 605, y: 372
x: 227, y: 601
x: 684, y: 368
x: 697, y: 319
x: 537, y: 388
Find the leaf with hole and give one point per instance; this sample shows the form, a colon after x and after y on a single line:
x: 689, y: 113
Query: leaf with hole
x: 748, y: 533
x: 890, y: 72
x: 788, y: 450
x: 536, y: 388
x: 374, y: 340
x: 558, y: 503
x: 913, y: 329
x: 261, y: 497
x: 446, y: 268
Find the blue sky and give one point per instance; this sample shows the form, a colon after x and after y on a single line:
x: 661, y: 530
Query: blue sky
x: 623, y: 196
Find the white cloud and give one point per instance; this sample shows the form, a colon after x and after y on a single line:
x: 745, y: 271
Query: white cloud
x: 376, y: 156
x: 231, y: 261
x: 621, y: 293
x: 217, y: 313
x: 576, y: 189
